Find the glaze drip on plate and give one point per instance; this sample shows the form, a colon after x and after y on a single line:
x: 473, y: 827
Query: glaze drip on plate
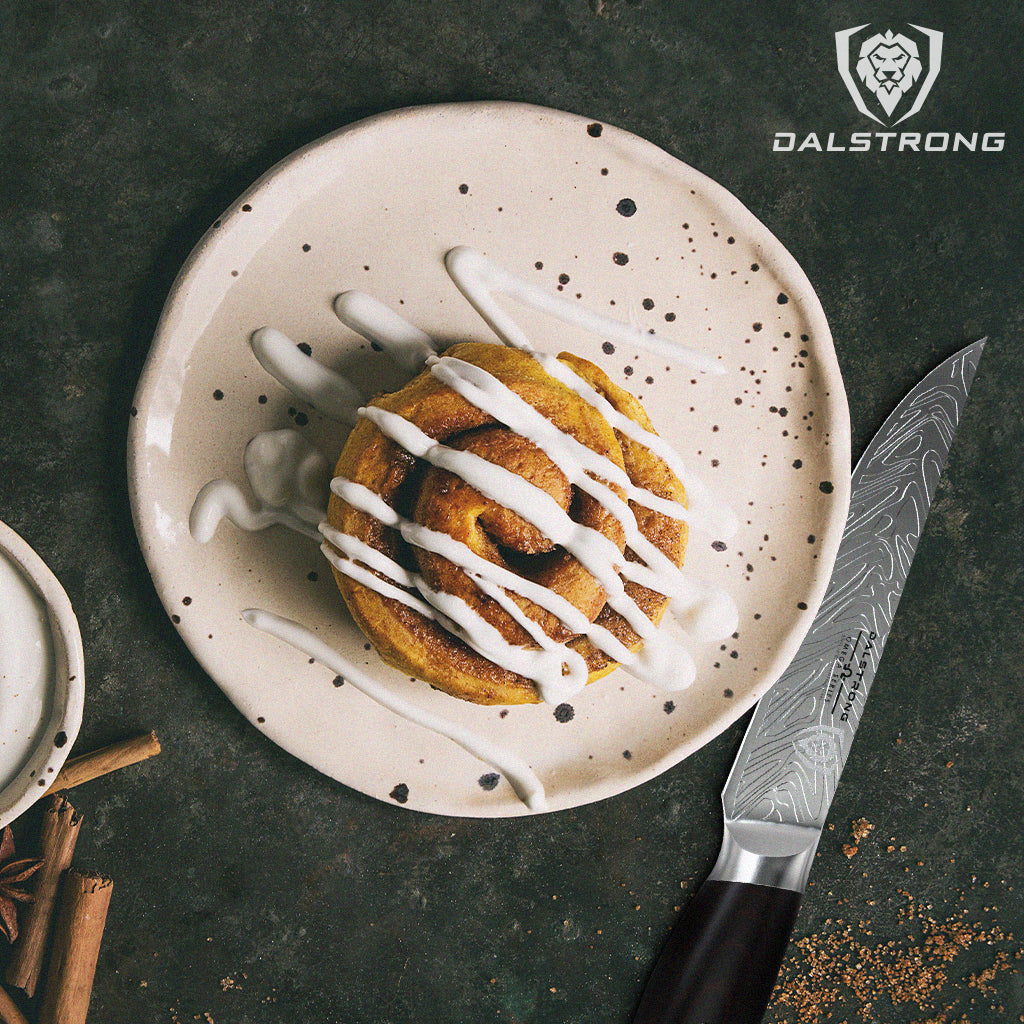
x: 334, y: 395
x: 287, y: 475
x: 280, y: 470
x: 519, y: 774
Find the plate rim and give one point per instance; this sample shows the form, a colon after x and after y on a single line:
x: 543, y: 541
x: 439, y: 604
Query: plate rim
x: 24, y: 789
x: 775, y: 254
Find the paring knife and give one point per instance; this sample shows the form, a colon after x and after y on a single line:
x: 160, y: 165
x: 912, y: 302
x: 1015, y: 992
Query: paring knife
x: 721, y: 960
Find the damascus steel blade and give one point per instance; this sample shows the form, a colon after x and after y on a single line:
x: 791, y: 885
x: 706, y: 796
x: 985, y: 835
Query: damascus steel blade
x: 796, y: 746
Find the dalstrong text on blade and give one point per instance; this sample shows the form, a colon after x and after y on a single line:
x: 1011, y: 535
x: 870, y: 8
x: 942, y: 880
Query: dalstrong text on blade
x: 848, y: 681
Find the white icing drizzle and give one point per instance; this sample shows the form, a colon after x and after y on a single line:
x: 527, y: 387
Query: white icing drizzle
x: 286, y: 471
x: 594, y: 551
x: 543, y: 667
x: 478, y: 567
x: 288, y: 476
x: 577, y: 462
x: 554, y: 687
x: 478, y: 278
x: 329, y: 392
x: 519, y: 774
x: 716, y: 517
x: 407, y: 345
x: 221, y: 499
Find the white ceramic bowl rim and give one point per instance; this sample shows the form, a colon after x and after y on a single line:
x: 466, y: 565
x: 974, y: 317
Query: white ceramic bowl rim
x: 68, y: 693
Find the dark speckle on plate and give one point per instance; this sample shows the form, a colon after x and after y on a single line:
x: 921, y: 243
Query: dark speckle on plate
x: 626, y: 207
x: 564, y: 713
x: 620, y: 258
x: 489, y: 781
x: 594, y: 129
x: 400, y: 793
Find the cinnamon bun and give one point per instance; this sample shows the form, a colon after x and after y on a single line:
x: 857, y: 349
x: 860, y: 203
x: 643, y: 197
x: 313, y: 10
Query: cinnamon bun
x: 394, y: 498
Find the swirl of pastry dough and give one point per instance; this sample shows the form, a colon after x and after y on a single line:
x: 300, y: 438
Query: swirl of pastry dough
x: 459, y: 484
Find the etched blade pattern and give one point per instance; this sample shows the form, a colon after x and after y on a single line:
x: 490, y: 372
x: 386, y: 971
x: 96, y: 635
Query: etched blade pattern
x: 796, y: 746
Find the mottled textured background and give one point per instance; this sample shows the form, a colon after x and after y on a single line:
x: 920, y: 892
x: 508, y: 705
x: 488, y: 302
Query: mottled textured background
x: 247, y: 887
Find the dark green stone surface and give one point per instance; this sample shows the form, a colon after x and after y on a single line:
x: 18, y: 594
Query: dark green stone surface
x: 247, y: 887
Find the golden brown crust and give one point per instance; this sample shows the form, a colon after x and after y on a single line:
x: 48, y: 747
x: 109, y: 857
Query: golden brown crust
x: 409, y: 641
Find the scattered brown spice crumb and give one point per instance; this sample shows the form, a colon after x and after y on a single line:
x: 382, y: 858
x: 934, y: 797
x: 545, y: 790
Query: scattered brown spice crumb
x: 861, y: 827
x: 849, y: 849
x: 843, y: 974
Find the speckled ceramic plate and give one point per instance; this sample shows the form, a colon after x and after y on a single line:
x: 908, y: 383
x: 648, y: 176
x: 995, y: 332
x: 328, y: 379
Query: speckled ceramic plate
x: 612, y: 222
x: 41, y: 676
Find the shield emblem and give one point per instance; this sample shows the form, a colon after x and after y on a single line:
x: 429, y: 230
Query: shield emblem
x: 889, y: 74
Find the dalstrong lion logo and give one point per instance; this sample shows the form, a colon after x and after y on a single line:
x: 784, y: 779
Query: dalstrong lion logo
x: 889, y: 66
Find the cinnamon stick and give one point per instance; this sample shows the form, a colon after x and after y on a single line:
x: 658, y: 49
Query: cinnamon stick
x: 84, y: 899
x: 9, y: 1012
x: 118, y: 755
x: 57, y: 843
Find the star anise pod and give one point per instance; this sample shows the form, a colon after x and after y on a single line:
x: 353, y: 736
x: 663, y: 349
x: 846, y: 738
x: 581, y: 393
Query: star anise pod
x: 12, y: 874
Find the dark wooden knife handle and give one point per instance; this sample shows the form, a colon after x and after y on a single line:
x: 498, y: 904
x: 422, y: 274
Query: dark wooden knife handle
x: 722, y: 958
